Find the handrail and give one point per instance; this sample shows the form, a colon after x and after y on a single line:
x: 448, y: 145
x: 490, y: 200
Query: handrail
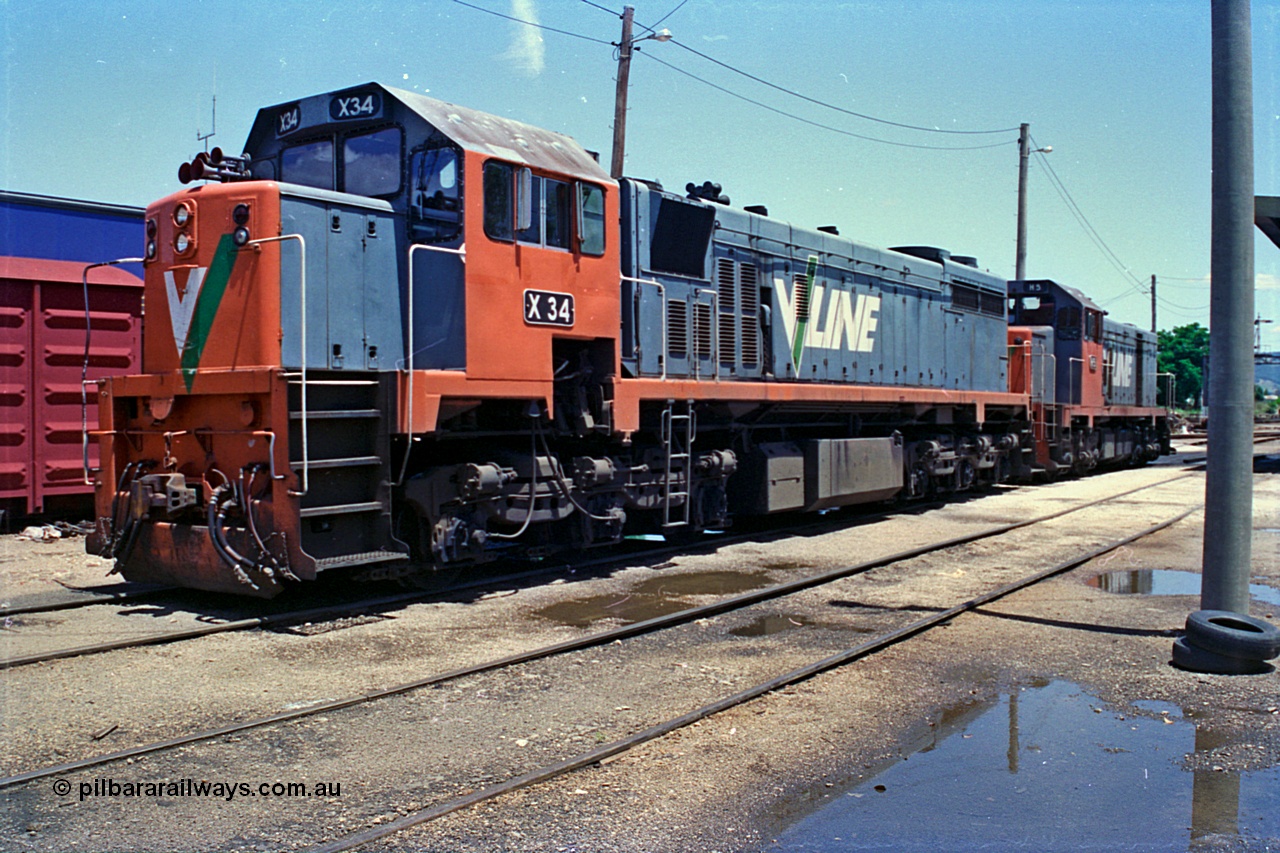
x: 1071, y: 382
x: 714, y: 322
x: 662, y: 294
x: 1169, y: 399
x: 84, y: 370
x: 302, y: 326
x: 407, y: 361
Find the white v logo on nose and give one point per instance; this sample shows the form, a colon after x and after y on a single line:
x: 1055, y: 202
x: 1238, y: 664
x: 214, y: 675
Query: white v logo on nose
x: 182, y: 307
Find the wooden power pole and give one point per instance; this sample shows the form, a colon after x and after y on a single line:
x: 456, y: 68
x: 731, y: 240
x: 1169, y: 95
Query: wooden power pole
x: 620, y: 98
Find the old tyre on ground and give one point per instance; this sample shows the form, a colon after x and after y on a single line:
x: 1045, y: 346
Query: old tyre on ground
x: 1234, y: 635
x: 1196, y: 659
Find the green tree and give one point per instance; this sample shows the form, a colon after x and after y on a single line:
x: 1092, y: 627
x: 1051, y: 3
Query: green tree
x: 1182, y: 352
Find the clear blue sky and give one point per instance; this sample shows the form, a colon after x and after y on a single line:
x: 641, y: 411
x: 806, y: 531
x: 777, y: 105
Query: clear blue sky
x: 103, y: 100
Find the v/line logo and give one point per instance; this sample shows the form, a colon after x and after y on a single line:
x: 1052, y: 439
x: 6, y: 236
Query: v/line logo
x: 193, y: 305
x: 1121, y: 368
x: 849, y: 322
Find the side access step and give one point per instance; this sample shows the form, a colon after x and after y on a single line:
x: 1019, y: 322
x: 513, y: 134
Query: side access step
x: 346, y: 510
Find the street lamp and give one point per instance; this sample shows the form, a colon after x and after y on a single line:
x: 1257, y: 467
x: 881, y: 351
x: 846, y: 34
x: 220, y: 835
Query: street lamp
x: 1024, y: 153
x: 625, y: 46
x: 1257, y: 333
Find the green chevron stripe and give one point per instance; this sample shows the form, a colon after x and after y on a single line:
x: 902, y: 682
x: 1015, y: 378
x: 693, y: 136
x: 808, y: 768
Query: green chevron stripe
x: 215, y: 285
x: 802, y: 317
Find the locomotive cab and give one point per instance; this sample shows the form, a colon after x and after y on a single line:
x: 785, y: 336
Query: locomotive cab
x: 375, y: 264
x: 1100, y: 409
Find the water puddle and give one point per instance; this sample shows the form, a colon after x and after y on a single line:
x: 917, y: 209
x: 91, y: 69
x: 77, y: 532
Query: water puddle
x: 655, y: 597
x: 788, y: 564
x: 1046, y: 768
x: 776, y: 623
x: 1168, y: 582
x: 765, y: 626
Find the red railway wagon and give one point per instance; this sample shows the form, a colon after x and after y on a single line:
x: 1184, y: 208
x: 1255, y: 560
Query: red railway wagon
x: 42, y: 365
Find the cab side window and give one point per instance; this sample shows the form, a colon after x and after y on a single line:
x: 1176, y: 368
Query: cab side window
x: 533, y: 234
x: 1069, y: 323
x: 542, y: 211
x: 591, y: 219
x: 556, y: 209
x: 435, y: 193
x: 499, y: 200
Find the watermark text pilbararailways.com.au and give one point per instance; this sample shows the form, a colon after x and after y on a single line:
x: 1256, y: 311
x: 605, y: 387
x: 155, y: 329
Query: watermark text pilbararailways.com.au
x: 194, y: 788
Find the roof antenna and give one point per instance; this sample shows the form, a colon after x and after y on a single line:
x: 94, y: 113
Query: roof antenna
x: 205, y: 137
x: 214, y: 129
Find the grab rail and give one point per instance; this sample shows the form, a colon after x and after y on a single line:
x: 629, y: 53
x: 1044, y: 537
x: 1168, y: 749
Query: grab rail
x: 84, y: 370
x: 407, y: 361
x: 662, y: 295
x: 302, y: 331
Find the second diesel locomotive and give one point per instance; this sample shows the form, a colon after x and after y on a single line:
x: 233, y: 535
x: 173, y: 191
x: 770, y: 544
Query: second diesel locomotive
x: 401, y: 334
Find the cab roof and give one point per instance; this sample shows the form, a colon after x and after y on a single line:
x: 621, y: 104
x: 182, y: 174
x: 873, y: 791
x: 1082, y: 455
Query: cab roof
x: 472, y: 130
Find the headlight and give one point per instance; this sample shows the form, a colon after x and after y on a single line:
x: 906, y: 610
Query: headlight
x: 182, y: 243
x: 181, y: 215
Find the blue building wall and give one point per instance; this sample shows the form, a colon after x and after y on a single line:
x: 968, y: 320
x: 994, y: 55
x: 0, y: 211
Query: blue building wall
x: 60, y: 229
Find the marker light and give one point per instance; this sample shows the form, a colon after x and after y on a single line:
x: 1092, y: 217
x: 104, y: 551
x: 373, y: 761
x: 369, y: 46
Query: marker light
x: 240, y: 215
x: 240, y: 236
x: 151, y: 250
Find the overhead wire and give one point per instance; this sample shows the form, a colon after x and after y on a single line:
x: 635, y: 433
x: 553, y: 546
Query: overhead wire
x: 821, y: 103
x: 819, y: 124
x: 792, y: 92
x: 532, y: 23
x: 1070, y: 201
x: 678, y: 7
x: 603, y: 8
x: 1135, y: 285
x: 731, y: 93
x: 1165, y: 303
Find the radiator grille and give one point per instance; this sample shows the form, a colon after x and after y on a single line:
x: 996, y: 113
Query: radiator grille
x: 749, y: 300
x: 702, y: 330
x: 726, y: 289
x: 678, y: 328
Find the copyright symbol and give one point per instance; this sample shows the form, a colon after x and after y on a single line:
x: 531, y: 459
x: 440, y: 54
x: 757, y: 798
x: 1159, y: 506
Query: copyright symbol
x: 61, y: 787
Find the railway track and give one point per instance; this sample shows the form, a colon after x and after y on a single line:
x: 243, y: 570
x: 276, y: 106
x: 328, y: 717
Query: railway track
x: 108, y: 594
x: 723, y: 606
x: 591, y: 757
x: 364, y: 606
x: 340, y: 610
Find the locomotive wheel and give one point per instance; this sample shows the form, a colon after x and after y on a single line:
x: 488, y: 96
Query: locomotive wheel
x: 1196, y: 659
x: 1234, y: 635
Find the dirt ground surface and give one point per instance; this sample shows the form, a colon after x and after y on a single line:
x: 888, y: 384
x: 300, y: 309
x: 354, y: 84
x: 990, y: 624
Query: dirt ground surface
x: 734, y: 781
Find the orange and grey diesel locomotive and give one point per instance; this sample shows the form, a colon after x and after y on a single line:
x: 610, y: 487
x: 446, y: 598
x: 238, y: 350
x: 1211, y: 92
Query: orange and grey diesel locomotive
x: 401, y: 334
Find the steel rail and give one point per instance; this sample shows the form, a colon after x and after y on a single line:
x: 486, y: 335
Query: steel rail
x: 336, y: 610
x: 594, y: 756
x: 88, y: 599
x: 591, y: 640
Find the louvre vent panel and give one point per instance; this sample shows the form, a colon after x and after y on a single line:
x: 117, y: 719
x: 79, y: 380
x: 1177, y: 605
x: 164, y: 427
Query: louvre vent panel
x: 727, y: 297
x: 749, y: 300
x: 801, y: 291
x: 702, y: 330
x: 678, y: 328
